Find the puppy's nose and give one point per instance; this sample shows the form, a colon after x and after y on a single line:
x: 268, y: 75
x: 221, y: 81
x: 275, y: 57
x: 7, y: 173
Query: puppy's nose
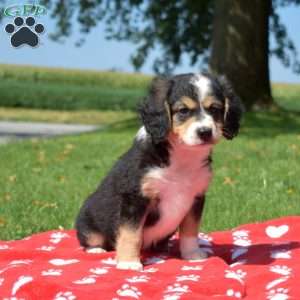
x: 204, y: 133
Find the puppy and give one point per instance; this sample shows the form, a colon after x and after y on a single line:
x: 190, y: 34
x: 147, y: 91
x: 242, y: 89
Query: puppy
x: 158, y: 185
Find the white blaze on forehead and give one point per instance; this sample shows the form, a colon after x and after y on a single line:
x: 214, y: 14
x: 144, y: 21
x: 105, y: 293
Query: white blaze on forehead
x: 203, y: 85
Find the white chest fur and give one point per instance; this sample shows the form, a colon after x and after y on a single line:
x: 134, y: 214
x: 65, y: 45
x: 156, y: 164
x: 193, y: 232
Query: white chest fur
x: 177, y: 185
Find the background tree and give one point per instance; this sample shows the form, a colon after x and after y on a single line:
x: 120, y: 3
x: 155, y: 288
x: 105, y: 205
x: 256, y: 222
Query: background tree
x: 231, y: 36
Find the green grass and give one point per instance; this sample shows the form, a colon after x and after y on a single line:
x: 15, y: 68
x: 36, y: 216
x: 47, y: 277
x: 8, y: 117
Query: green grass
x: 43, y: 183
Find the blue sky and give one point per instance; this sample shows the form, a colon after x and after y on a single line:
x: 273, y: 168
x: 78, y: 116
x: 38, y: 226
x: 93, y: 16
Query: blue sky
x: 100, y: 54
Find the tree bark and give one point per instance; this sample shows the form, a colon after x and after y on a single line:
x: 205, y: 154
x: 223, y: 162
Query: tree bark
x: 240, y: 46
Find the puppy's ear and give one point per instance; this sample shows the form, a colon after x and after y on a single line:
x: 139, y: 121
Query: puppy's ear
x: 155, y: 111
x: 233, y: 109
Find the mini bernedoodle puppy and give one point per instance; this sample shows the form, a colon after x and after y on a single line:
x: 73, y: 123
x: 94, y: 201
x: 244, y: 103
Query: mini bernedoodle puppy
x: 158, y: 186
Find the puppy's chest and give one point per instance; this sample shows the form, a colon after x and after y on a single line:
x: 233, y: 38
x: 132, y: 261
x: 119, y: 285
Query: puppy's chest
x: 175, y: 188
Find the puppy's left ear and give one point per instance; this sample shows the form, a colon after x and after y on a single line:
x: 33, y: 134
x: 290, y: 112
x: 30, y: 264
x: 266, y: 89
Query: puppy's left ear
x: 155, y: 111
x: 233, y: 110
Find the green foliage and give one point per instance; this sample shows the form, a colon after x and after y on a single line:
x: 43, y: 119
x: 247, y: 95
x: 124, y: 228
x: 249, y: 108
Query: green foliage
x: 178, y: 27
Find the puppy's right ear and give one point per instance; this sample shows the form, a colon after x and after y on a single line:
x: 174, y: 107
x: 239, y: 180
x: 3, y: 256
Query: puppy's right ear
x: 155, y: 111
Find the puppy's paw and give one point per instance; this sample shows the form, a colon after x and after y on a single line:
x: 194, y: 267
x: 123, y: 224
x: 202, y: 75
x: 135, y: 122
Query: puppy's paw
x: 196, y: 254
x: 130, y: 265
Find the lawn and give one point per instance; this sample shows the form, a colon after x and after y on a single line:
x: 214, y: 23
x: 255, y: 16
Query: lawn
x: 43, y: 182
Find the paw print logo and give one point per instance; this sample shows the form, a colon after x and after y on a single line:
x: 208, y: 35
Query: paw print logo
x: 282, y: 270
x: 24, y: 34
x: 191, y: 277
x: 129, y: 291
x: 65, y: 296
x: 278, y: 294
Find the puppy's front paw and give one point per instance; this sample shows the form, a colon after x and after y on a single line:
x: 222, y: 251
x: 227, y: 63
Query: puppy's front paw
x: 130, y: 265
x: 196, y: 254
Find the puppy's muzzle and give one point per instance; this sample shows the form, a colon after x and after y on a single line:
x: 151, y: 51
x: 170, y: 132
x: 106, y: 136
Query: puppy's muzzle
x: 204, y: 133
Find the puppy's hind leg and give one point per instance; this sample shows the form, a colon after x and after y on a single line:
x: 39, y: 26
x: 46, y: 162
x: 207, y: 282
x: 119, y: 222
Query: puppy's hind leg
x: 92, y: 241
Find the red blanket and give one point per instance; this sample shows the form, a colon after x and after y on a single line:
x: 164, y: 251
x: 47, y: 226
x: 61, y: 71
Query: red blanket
x: 256, y: 261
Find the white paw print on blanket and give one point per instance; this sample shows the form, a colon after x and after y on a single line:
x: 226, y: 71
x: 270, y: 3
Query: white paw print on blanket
x: 63, y: 262
x: 241, y: 238
x: 150, y: 270
x: 22, y: 280
x: 21, y: 261
x: 99, y: 271
x: 191, y: 268
x: 4, y: 247
x: 278, y: 294
x: 141, y: 278
x: 190, y: 277
x: 56, y: 237
x: 275, y: 232
x: 282, y: 270
x: 86, y: 280
x: 174, y: 291
x: 109, y: 261
x: 283, y: 253
x: 238, y: 275
x: 46, y: 248
x: 52, y: 272
x: 232, y: 293
x: 65, y: 296
x: 129, y: 291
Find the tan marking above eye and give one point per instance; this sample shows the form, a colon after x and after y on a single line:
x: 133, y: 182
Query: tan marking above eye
x: 211, y: 102
x: 189, y: 102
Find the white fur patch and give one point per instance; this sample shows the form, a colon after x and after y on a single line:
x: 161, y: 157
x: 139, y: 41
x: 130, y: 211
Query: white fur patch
x: 141, y: 134
x: 191, y: 137
x: 203, y: 84
x: 187, y: 175
x: 130, y: 265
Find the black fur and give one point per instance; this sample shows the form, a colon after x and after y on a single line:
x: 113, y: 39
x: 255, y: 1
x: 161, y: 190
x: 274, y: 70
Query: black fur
x: 118, y: 199
x: 234, y: 109
x: 154, y: 110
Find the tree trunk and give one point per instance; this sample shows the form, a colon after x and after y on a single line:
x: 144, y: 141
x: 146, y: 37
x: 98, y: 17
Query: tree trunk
x: 240, y: 46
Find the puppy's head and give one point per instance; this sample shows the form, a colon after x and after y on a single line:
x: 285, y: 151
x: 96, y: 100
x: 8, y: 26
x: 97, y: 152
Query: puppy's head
x: 196, y: 109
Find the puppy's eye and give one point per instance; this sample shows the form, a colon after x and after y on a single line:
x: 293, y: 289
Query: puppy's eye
x: 214, y: 110
x: 183, y: 111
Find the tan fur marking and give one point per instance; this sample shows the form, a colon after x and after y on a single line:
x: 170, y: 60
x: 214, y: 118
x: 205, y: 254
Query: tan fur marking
x: 209, y: 101
x: 129, y: 243
x: 147, y: 188
x: 189, y: 103
x: 95, y: 239
x: 181, y: 128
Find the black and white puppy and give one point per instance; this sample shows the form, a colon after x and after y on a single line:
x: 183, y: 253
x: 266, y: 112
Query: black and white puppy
x: 158, y: 186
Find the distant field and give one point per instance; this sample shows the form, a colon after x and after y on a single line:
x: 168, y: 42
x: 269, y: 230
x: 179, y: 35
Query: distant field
x: 62, y: 89
x: 47, y: 88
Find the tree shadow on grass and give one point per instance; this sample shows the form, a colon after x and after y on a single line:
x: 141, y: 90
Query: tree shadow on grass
x: 270, y: 124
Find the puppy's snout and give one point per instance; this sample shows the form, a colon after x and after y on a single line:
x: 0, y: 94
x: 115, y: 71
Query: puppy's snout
x: 204, y: 133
